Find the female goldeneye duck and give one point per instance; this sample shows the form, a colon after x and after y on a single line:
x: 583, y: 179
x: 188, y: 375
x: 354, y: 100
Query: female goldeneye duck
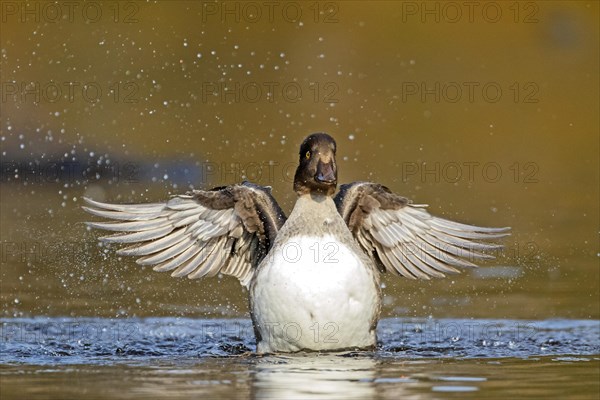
x: 313, y: 277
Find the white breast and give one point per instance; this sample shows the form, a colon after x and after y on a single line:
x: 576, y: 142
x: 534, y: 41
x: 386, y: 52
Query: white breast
x: 314, y: 293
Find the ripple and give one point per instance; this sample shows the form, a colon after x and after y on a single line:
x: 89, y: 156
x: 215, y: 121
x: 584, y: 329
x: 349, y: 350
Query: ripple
x: 98, y: 341
x: 455, y: 388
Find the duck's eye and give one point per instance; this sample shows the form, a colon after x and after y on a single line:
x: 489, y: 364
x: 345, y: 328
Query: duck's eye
x: 307, y: 155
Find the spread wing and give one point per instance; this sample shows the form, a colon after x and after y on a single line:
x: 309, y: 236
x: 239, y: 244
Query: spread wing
x: 404, y: 239
x: 227, y: 230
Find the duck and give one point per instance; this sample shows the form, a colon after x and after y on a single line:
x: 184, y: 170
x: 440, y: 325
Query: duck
x: 313, y: 277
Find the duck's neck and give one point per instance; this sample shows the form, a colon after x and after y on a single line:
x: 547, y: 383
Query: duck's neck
x: 315, y: 201
x: 314, y: 214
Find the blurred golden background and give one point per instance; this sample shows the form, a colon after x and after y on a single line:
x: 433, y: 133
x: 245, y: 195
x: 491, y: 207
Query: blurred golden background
x: 488, y: 114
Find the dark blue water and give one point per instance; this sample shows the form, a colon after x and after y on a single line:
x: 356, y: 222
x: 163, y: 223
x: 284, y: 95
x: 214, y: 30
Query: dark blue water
x: 98, y: 341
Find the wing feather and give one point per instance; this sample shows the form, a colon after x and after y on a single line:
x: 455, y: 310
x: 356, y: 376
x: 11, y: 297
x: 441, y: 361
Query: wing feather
x: 133, y: 226
x: 168, y: 253
x: 153, y: 246
x: 126, y: 215
x: 175, y: 262
x: 403, y: 238
x: 454, y: 250
x: 138, y: 236
x: 418, y: 263
x: 128, y: 208
x: 202, y: 233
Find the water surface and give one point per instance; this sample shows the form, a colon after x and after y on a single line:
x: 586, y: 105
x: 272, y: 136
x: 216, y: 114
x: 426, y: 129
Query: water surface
x: 179, y: 357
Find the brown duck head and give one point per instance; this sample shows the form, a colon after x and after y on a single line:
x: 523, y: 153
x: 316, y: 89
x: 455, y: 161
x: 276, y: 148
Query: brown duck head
x: 317, y: 170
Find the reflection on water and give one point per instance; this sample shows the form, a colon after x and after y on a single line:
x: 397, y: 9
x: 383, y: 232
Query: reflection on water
x: 314, y: 377
x: 311, y: 377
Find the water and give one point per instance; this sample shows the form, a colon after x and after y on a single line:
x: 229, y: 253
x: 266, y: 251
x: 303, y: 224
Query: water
x: 180, y: 357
